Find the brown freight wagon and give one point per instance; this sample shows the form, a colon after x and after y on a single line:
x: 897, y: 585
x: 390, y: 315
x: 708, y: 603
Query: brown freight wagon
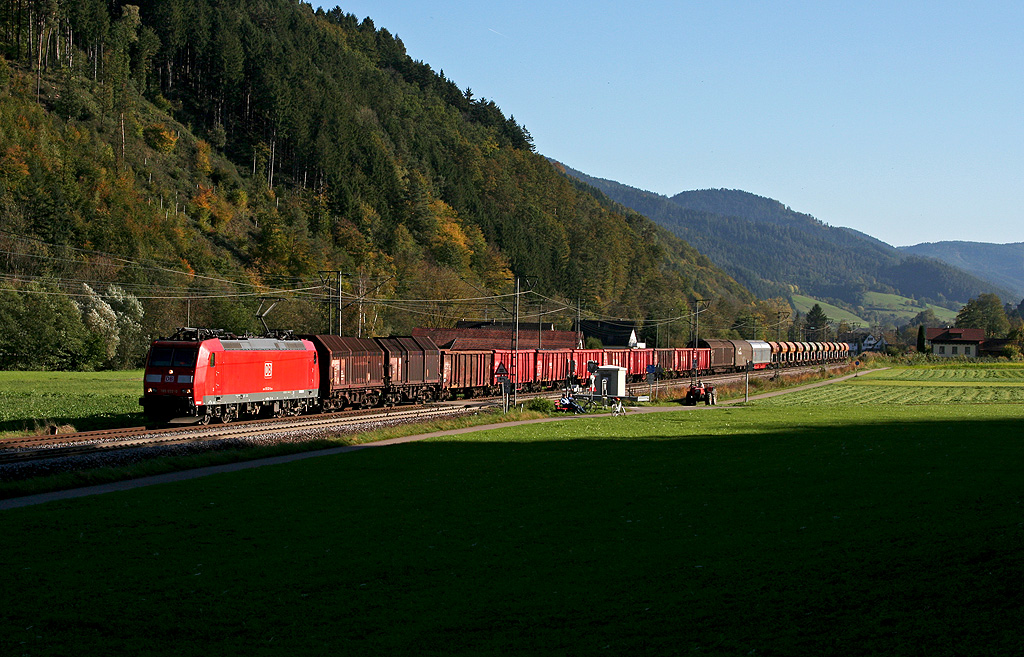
x: 351, y: 371
x: 723, y: 354
x: 413, y: 371
x: 467, y: 373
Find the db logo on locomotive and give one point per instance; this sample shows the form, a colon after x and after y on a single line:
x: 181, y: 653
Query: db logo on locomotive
x: 268, y: 369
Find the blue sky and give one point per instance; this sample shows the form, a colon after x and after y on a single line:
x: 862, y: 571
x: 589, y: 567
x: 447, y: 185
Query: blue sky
x: 904, y: 120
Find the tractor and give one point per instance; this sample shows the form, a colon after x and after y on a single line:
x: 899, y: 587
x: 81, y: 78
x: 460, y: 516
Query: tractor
x: 701, y: 392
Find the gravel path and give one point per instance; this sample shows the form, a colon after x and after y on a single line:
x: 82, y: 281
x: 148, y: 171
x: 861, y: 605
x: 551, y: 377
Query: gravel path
x: 184, y: 475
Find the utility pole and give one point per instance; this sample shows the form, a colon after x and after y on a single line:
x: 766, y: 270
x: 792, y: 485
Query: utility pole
x: 515, y: 350
x: 362, y: 292
x: 697, y: 308
x: 339, y: 303
x: 330, y: 300
x: 540, y: 326
x: 579, y: 328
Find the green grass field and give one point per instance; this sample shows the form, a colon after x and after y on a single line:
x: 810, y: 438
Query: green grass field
x: 835, y: 313
x: 942, y: 384
x: 770, y: 529
x: 31, y: 401
x: 903, y: 307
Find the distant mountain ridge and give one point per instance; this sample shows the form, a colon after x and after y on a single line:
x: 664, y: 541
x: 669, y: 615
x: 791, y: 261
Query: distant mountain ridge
x: 775, y: 251
x: 999, y: 263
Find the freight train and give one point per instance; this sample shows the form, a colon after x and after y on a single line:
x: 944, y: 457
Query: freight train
x: 205, y: 374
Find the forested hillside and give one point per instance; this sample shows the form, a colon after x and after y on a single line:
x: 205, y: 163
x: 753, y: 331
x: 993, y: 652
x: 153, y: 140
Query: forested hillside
x: 773, y: 250
x: 186, y: 158
x: 1000, y: 263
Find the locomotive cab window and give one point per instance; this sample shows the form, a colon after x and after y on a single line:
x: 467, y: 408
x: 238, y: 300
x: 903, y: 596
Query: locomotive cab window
x: 161, y: 356
x: 213, y: 360
x: 172, y: 357
x: 185, y: 357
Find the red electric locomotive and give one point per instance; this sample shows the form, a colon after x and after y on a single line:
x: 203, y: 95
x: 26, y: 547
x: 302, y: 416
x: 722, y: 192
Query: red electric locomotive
x: 202, y: 374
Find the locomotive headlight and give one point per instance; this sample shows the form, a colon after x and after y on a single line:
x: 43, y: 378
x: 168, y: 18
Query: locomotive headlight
x: 149, y: 390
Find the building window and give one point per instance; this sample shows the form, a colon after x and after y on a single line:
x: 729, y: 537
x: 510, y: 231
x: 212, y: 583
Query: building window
x: 954, y: 351
x: 942, y: 349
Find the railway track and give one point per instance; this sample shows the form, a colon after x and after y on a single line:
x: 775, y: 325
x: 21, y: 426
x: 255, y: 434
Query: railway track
x: 33, y: 448
x: 30, y: 449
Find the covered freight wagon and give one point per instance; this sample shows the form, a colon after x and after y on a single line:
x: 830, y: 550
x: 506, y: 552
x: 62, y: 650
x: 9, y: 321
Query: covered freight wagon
x: 723, y: 354
x: 351, y: 371
x: 760, y: 354
x: 413, y: 371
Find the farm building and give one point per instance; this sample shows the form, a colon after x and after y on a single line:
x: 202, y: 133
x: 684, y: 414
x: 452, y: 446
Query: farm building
x: 861, y: 340
x: 950, y: 342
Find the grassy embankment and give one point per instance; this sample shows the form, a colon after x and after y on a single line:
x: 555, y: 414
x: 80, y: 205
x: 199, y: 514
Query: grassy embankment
x: 33, y: 402
x: 853, y: 521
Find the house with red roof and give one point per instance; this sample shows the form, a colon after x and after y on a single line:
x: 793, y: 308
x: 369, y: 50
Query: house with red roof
x: 951, y: 342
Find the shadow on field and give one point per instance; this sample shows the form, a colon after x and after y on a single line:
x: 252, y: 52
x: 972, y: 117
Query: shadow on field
x: 899, y: 538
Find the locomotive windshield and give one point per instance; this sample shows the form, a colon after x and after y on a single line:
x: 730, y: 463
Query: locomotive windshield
x: 172, y: 357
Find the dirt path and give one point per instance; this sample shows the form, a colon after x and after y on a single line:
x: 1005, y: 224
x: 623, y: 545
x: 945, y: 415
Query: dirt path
x: 31, y: 500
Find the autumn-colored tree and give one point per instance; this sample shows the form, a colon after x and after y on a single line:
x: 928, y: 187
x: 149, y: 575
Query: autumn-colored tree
x: 984, y: 312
